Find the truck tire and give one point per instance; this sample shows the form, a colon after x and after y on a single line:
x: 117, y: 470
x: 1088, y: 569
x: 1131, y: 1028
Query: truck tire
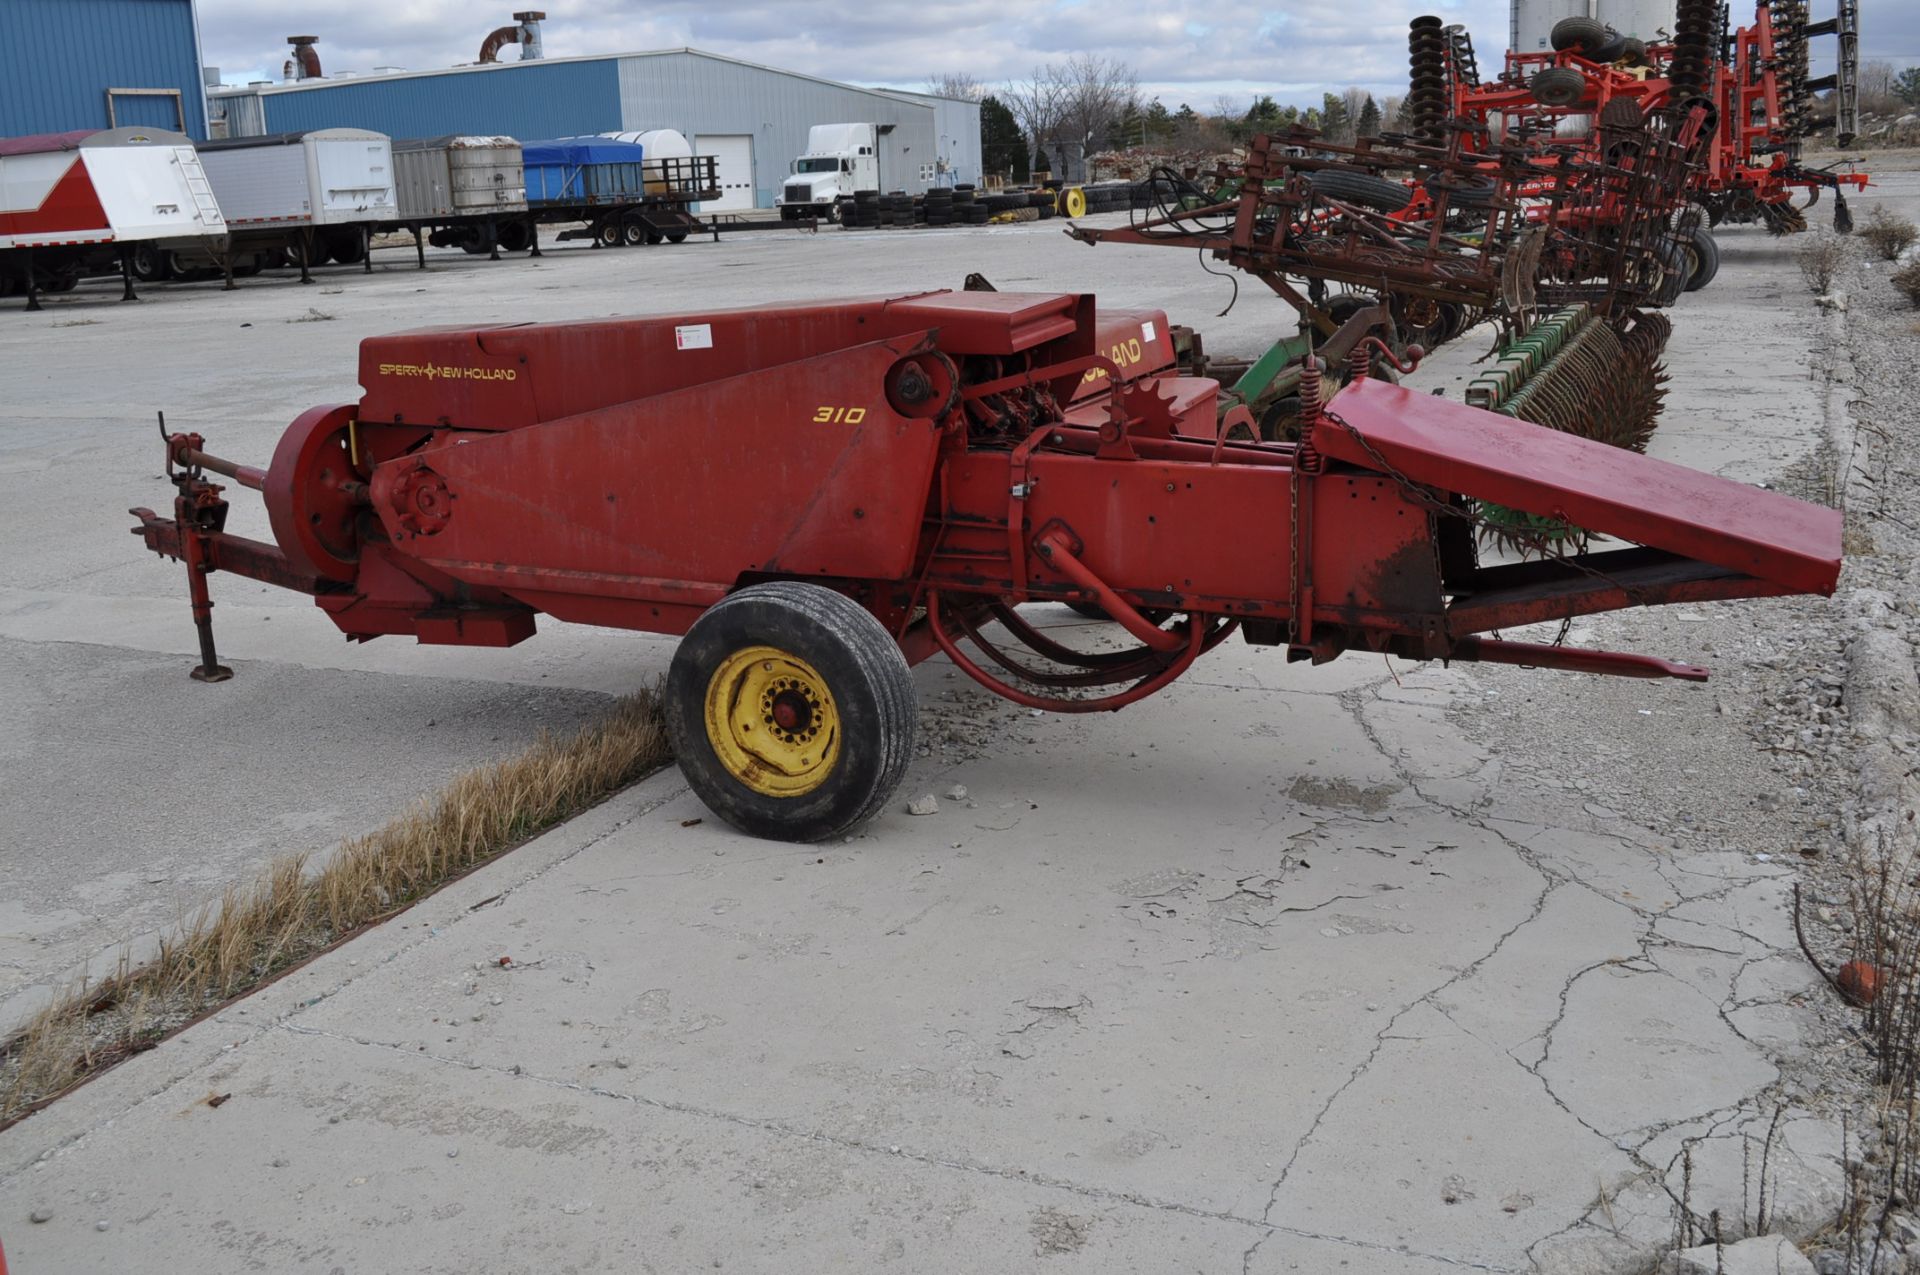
x: 1361, y: 189
x: 791, y: 711
x: 515, y: 236
x: 347, y: 246
x: 314, y: 249
x: 609, y: 234
x: 151, y: 262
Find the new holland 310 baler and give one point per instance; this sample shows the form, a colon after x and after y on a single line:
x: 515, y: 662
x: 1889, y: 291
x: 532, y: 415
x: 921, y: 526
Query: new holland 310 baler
x: 818, y: 497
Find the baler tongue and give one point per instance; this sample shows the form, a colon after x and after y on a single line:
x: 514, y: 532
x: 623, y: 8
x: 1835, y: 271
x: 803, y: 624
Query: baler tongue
x: 1787, y: 543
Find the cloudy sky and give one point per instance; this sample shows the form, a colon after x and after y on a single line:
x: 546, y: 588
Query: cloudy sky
x: 1184, y: 50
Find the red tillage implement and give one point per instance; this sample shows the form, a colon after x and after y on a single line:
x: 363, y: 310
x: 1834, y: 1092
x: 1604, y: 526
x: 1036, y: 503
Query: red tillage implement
x: 820, y: 496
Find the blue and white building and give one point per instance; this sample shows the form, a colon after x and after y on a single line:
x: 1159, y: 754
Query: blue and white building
x: 753, y: 119
x: 98, y: 64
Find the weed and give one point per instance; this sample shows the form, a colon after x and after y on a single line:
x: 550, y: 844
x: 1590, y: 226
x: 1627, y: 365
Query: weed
x: 1821, y: 258
x: 288, y: 914
x: 1888, y: 233
x: 1908, y: 281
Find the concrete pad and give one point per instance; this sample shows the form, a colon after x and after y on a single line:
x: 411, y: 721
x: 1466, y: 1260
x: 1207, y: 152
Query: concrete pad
x: 1465, y: 1152
x: 1637, y: 1048
x: 1198, y: 984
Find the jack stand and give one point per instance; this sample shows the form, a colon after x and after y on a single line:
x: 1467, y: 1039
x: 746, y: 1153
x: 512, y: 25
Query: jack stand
x: 419, y: 246
x: 126, y: 275
x: 200, y: 513
x: 533, y: 235
x: 366, y: 249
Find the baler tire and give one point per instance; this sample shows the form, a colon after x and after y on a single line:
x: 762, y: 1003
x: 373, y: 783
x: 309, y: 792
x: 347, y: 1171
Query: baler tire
x: 1361, y: 189
x: 1705, y: 253
x: 852, y: 663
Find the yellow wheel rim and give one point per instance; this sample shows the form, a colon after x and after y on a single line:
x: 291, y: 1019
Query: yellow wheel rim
x: 1074, y: 202
x: 772, y: 721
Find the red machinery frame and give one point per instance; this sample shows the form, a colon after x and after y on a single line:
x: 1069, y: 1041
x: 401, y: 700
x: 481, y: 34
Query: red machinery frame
x: 1749, y: 159
x: 922, y: 456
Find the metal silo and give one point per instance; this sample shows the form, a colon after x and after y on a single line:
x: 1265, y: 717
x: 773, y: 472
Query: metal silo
x: 1532, y: 20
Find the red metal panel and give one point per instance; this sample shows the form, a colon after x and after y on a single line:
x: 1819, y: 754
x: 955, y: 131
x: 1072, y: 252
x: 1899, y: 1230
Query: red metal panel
x: 798, y: 469
x: 993, y: 322
x: 1592, y: 485
x: 513, y: 375
x: 70, y: 206
x: 1136, y: 341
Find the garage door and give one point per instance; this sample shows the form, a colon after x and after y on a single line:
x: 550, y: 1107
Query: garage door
x: 734, y: 153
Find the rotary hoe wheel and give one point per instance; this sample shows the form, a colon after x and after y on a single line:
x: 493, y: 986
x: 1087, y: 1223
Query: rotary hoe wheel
x: 1427, y: 101
x: 791, y: 711
x: 1695, y: 22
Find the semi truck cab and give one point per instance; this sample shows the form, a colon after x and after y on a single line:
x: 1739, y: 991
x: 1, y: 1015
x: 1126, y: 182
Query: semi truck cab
x: 841, y: 160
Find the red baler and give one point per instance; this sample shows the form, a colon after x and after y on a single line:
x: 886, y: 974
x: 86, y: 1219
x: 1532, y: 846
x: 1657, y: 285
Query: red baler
x: 820, y: 496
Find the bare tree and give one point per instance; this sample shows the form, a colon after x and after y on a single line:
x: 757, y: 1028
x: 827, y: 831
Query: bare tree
x: 1355, y: 100
x: 1098, y: 94
x: 956, y: 84
x: 1876, y: 89
x: 1389, y: 111
x: 1035, y: 103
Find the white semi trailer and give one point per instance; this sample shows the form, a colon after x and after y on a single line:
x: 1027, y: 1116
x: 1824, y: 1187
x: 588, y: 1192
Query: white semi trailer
x: 315, y: 195
x: 79, y: 203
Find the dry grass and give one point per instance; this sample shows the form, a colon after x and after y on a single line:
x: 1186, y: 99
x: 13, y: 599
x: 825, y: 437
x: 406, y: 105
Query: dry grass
x: 1908, y: 281
x: 1888, y: 233
x: 1820, y: 259
x: 288, y: 913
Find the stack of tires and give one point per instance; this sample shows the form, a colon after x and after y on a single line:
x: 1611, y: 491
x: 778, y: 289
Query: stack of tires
x: 1043, y: 202
x: 1108, y: 197
x: 970, y: 207
x: 939, y: 205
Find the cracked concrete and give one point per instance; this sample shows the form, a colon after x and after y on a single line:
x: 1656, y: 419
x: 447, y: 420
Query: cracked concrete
x: 1286, y: 969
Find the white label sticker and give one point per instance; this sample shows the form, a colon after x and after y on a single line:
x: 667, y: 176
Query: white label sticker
x: 1146, y: 330
x: 694, y: 336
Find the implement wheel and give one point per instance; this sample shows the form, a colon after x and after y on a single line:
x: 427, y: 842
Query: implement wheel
x: 1703, y: 259
x: 1361, y: 189
x: 1558, y: 86
x: 790, y: 710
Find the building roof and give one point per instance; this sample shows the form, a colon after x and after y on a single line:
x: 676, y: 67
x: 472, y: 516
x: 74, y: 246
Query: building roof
x: 299, y: 86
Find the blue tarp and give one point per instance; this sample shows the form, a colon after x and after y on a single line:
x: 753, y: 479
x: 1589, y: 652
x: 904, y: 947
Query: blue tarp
x: 583, y: 170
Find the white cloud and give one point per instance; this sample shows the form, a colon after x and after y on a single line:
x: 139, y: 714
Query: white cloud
x: 1184, y: 50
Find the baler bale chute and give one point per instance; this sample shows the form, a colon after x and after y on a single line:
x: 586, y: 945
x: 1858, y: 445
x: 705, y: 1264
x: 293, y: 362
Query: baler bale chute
x: 819, y: 497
